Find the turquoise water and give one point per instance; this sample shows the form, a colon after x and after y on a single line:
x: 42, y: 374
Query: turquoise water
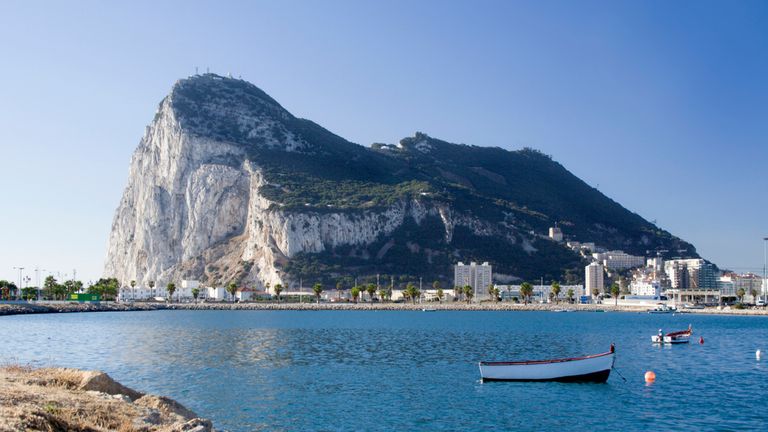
x: 346, y: 370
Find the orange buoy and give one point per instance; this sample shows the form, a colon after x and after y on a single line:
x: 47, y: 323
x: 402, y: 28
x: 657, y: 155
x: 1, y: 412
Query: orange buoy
x: 650, y: 377
x: 701, y: 340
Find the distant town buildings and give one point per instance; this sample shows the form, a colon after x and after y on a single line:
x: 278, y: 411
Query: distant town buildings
x: 730, y: 283
x: 691, y: 274
x: 593, y: 278
x: 645, y: 288
x: 478, y: 276
x: 540, y: 292
x: 618, y: 260
x: 556, y: 234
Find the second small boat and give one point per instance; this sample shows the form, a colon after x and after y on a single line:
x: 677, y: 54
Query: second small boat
x: 678, y: 337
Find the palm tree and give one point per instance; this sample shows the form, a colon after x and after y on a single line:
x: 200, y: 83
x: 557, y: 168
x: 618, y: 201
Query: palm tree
x: 457, y: 290
x: 468, y: 292
x: 195, y: 293
x: 526, y: 290
x: 412, y: 292
x: 595, y: 292
x: 383, y: 294
x: 615, y: 290
x: 232, y: 290
x: 171, y: 287
x: 492, y: 292
x: 355, y: 293
x: 317, y: 289
x: 371, y: 291
x: 753, y: 293
x: 740, y: 293
x: 278, y: 290
x: 570, y: 295
x: 152, y: 287
x: 440, y: 294
x: 133, y: 294
x: 556, y: 291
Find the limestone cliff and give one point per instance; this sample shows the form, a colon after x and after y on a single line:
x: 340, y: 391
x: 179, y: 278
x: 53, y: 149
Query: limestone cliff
x: 228, y: 185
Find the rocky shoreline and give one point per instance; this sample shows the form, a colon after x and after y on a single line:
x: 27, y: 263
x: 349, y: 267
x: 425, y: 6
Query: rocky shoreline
x: 64, y: 307
x: 58, y: 399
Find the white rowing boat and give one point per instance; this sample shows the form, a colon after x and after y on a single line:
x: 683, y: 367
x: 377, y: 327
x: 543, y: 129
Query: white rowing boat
x: 591, y: 368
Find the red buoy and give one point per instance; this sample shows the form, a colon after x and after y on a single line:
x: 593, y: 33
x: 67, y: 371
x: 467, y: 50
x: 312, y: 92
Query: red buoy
x: 701, y: 340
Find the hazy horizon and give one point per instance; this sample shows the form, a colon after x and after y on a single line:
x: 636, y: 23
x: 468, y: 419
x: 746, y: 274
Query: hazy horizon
x: 660, y: 106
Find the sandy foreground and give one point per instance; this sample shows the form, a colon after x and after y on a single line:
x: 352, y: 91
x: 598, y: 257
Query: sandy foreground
x: 57, y: 399
x: 60, y: 307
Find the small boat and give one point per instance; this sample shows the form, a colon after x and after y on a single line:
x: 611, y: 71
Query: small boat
x: 591, y: 368
x: 428, y: 310
x: 661, y: 308
x: 693, y: 306
x: 678, y: 337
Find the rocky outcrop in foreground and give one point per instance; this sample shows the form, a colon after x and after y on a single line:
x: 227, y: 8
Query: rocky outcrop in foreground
x: 57, y: 399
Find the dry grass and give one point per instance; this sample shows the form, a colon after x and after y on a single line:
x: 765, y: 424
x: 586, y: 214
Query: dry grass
x: 51, y: 399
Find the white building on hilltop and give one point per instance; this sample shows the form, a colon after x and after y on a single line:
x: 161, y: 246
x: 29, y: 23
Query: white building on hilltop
x: 556, y: 234
x: 478, y: 276
x: 593, y: 278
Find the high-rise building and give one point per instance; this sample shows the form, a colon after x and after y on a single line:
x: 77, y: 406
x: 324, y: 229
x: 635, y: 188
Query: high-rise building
x: 593, y: 278
x: 478, y: 276
x: 691, y: 274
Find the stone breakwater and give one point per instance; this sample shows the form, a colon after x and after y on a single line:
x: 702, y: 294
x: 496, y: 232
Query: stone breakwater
x: 63, y: 307
x: 57, y: 399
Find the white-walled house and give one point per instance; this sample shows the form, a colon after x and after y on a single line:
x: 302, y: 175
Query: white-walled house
x: 217, y: 294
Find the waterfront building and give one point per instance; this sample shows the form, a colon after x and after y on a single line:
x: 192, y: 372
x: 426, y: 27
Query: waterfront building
x: 693, y: 280
x: 478, y: 276
x: 618, y: 260
x: 217, y: 293
x: 540, y: 292
x: 556, y: 234
x: 645, y: 288
x: 730, y: 283
x: 593, y: 278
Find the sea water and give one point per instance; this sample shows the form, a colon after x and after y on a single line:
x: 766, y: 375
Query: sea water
x: 410, y: 370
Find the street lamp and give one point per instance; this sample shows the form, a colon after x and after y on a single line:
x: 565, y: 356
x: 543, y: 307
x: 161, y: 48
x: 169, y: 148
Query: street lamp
x: 765, y: 264
x: 18, y: 289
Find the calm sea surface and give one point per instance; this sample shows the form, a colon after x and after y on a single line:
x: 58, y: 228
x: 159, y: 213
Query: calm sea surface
x: 347, y: 370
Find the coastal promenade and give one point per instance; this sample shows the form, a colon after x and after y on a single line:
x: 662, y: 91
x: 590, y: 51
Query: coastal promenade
x: 65, y: 307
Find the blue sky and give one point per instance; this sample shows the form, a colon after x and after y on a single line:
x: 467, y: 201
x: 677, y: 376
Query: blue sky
x: 662, y: 105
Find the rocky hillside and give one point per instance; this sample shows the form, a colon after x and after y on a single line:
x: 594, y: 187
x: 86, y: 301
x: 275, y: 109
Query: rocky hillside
x: 228, y: 185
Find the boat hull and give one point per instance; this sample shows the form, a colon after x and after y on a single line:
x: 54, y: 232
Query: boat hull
x: 585, y: 369
x: 670, y: 340
x: 594, y: 377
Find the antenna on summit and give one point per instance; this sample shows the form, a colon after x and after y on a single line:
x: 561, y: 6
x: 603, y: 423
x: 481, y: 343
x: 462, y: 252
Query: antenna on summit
x: 196, y: 71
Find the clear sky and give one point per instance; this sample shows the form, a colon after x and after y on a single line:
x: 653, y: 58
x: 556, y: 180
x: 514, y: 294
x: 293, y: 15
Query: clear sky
x: 661, y: 105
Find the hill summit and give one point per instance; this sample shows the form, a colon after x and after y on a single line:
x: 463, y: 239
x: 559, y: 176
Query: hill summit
x: 227, y: 185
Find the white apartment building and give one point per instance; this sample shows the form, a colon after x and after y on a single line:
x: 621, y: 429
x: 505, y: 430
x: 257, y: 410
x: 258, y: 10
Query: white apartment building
x: 618, y: 260
x: 556, y: 234
x: 593, y: 278
x: 730, y: 283
x: 478, y: 276
x: 691, y: 274
x: 645, y: 288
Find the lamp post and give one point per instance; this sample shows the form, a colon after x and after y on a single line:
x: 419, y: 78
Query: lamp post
x: 765, y: 264
x: 18, y: 289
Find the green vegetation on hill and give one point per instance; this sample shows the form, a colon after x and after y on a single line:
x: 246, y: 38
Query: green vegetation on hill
x: 524, y: 191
